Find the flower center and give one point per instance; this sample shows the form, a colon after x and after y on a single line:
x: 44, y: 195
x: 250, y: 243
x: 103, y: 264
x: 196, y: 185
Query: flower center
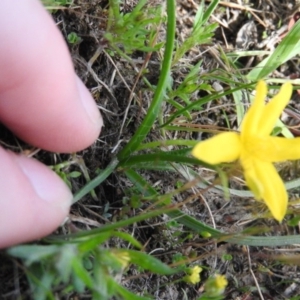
x: 256, y: 147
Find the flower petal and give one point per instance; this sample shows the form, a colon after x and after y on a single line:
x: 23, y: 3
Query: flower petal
x: 247, y: 162
x: 253, y: 183
x: 252, y: 119
x: 277, y: 149
x: 267, y: 185
x: 274, y: 108
x: 224, y: 147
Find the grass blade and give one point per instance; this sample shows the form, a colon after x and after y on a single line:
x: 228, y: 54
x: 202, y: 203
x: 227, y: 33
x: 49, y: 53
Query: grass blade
x: 96, y: 181
x: 288, y: 48
x: 160, y: 91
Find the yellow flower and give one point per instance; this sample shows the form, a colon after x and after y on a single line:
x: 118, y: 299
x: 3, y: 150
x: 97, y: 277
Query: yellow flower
x: 123, y: 258
x: 221, y: 281
x: 215, y: 285
x: 194, y: 275
x: 256, y: 149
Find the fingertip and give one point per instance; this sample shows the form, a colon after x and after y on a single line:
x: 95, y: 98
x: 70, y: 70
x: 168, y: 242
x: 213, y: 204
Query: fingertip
x: 34, y: 200
x: 44, y: 182
x: 89, y: 105
x: 41, y: 99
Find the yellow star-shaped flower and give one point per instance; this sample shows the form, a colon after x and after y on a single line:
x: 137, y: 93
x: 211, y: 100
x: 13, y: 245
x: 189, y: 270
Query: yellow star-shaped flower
x: 256, y: 149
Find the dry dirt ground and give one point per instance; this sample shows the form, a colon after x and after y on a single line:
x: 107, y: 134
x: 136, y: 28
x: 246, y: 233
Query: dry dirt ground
x: 251, y: 272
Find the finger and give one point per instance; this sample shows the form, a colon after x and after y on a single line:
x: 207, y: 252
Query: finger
x: 41, y: 99
x: 34, y: 201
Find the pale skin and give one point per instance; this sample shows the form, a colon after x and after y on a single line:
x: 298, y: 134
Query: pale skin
x: 45, y: 104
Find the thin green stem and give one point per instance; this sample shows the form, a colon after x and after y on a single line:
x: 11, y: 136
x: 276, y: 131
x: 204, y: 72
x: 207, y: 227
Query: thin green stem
x: 112, y: 226
x: 166, y: 143
x: 96, y: 181
x: 159, y: 94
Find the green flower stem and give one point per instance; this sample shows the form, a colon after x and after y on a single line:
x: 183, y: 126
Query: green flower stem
x: 153, y: 111
x: 160, y: 91
x: 156, y: 158
x: 165, y: 143
x: 96, y: 181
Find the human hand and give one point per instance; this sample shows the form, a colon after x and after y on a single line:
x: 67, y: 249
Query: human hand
x: 45, y: 104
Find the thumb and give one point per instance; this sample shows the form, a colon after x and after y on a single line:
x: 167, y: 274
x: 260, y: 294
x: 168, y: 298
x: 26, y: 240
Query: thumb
x: 34, y: 201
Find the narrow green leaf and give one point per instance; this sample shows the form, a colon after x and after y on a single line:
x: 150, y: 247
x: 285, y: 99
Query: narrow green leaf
x: 96, y: 181
x: 136, y: 160
x: 82, y: 273
x: 287, y: 49
x: 195, y: 225
x: 205, y: 100
x: 112, y: 226
x: 33, y: 253
x: 150, y: 263
x: 127, y: 295
x: 238, y: 100
x: 93, y: 242
x: 127, y: 237
x: 209, y: 11
x: 166, y: 143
